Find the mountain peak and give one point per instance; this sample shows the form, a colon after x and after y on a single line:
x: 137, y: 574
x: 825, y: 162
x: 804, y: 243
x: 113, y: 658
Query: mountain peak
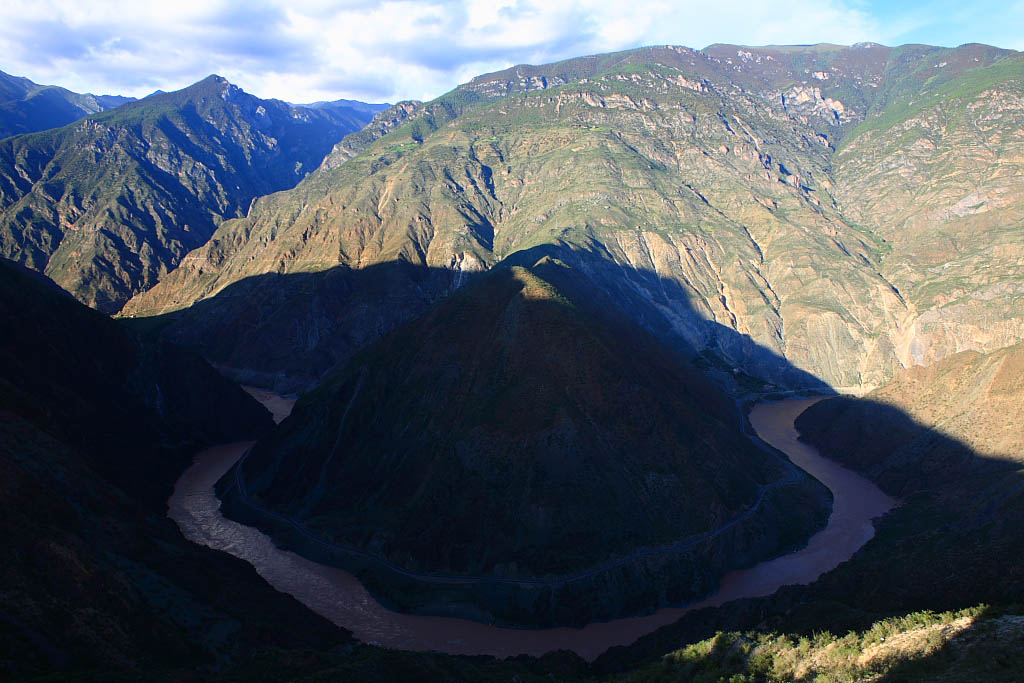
x: 248, y: 146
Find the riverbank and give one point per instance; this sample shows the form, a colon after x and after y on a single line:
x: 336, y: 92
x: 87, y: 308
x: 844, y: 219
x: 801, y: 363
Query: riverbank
x: 341, y: 598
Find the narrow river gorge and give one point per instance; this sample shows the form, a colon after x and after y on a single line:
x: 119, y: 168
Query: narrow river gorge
x: 341, y: 598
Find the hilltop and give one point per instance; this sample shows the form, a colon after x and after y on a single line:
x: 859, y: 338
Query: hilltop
x: 524, y: 432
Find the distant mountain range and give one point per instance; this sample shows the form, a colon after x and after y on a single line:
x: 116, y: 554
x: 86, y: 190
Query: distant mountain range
x: 354, y: 105
x: 109, y: 204
x: 27, y: 107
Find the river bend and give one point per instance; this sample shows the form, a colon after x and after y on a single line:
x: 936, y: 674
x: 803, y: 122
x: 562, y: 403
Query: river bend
x: 341, y: 598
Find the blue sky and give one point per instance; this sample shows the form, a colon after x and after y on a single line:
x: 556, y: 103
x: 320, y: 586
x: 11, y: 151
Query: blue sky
x: 306, y: 50
x: 951, y: 23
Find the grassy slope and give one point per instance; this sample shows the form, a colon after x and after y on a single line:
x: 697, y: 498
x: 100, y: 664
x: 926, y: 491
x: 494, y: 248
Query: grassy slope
x: 967, y: 645
x: 656, y: 178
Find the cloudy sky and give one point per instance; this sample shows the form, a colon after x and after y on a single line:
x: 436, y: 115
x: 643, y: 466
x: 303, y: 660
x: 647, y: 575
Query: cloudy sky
x: 304, y: 51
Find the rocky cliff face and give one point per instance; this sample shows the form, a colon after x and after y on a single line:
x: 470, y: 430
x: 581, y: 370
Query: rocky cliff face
x: 939, y: 180
x: 107, y: 206
x: 734, y: 195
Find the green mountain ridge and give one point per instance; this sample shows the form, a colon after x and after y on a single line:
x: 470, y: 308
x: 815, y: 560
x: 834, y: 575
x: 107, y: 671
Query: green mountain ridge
x: 730, y: 173
x: 108, y: 205
x: 27, y: 107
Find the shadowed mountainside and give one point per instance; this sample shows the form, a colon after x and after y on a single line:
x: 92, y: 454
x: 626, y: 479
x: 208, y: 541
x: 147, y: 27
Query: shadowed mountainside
x: 137, y: 405
x: 106, y: 206
x: 286, y: 331
x: 96, y: 422
x: 975, y: 398
x: 943, y: 549
x: 941, y: 552
x: 522, y: 432
x: 955, y: 541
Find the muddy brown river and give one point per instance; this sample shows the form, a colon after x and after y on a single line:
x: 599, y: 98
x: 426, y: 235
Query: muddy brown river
x: 341, y: 598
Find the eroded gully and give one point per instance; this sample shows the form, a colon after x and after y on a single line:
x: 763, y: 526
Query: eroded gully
x: 341, y: 598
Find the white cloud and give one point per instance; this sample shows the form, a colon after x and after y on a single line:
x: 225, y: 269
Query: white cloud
x: 390, y: 50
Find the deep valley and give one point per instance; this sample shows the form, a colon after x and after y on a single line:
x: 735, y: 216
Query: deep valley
x: 658, y: 364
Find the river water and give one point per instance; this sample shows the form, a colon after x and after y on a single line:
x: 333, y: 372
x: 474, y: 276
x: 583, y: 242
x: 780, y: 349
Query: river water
x: 341, y: 598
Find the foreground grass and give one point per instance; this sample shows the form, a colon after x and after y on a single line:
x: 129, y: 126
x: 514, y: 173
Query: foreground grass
x: 968, y: 645
x: 975, y: 644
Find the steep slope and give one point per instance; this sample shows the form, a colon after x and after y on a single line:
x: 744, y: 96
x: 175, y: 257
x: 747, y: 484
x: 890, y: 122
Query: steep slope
x: 973, y: 399
x: 704, y: 187
x: 27, y: 107
x: 518, y: 434
x: 938, y: 176
x: 947, y: 440
x: 137, y: 405
x: 956, y: 647
x: 95, y: 424
x: 108, y: 205
x: 971, y: 396
x: 696, y: 188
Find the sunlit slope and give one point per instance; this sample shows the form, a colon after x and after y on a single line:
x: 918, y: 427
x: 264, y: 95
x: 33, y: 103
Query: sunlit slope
x: 939, y: 176
x: 107, y: 205
x: 697, y: 187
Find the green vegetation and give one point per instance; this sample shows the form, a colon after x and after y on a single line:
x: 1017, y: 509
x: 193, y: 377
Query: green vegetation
x: 1008, y: 71
x: 108, y: 205
x: 966, y: 645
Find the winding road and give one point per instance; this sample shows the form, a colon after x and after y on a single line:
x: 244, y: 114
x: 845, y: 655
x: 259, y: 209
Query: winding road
x: 341, y: 598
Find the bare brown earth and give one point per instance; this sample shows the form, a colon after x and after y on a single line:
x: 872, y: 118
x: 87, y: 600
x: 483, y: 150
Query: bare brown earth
x: 974, y: 397
x: 338, y: 596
